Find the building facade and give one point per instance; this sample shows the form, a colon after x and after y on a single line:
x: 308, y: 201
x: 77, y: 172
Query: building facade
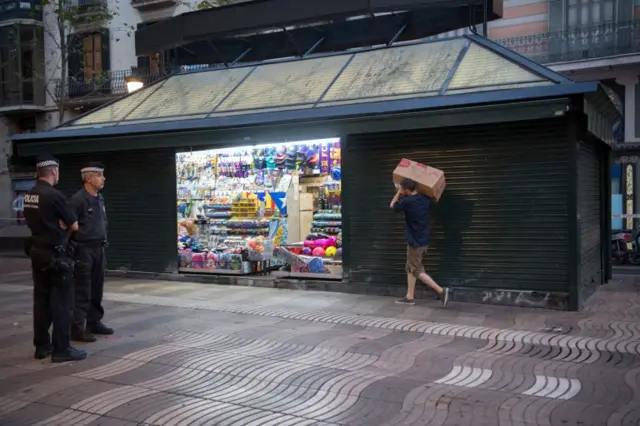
x: 588, y: 40
x: 99, y: 54
x: 584, y: 40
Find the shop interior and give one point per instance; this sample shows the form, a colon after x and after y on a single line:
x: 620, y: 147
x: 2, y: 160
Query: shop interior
x: 263, y: 209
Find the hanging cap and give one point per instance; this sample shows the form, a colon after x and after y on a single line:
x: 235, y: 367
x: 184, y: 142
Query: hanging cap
x: 92, y: 166
x: 47, y: 161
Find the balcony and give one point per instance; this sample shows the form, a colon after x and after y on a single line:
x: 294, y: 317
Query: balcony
x: 152, y: 4
x: 22, y: 87
x: 20, y: 10
x: 82, y: 93
x: 90, y: 6
x: 21, y: 97
x: 578, y: 44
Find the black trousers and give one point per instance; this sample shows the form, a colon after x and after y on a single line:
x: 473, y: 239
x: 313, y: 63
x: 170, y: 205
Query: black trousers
x: 52, y: 301
x: 89, y: 285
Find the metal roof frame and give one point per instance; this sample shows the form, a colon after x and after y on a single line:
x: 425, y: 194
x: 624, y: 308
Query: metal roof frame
x: 259, y: 15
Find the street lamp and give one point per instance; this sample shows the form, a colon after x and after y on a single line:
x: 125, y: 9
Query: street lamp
x: 133, y: 81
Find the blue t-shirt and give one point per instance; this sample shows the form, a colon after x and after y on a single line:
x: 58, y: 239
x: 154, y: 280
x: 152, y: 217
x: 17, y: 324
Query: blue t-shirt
x: 416, y: 213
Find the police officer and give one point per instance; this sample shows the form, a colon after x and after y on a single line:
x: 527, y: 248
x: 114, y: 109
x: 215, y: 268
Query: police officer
x: 90, y: 241
x: 50, y: 219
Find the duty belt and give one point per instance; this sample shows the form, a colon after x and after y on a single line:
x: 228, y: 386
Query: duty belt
x: 102, y: 243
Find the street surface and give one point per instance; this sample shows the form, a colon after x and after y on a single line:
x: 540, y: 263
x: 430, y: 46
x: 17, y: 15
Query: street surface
x: 204, y: 355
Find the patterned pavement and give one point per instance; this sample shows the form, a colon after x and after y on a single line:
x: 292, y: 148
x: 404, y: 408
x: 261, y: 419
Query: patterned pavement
x: 189, y: 354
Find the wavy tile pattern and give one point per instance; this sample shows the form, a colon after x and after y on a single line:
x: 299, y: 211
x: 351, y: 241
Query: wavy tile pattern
x: 199, y: 355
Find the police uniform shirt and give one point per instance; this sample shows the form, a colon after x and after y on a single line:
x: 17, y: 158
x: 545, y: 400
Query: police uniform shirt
x: 44, y: 207
x: 92, y: 217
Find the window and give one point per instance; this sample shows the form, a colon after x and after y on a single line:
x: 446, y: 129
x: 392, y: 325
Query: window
x: 584, y: 13
x: 570, y: 14
x: 92, y: 56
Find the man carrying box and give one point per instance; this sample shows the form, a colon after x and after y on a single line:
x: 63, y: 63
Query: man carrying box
x: 416, y: 210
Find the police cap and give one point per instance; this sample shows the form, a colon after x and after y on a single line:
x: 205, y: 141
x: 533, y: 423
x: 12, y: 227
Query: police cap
x: 92, y: 166
x: 47, y: 161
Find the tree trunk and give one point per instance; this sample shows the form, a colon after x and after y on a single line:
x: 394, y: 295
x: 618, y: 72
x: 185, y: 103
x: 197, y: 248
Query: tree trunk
x: 64, y: 45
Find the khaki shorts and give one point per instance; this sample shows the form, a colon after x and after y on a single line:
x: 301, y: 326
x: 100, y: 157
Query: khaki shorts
x: 414, y: 260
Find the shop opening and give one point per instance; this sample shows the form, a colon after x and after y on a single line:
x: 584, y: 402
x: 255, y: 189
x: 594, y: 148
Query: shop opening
x: 263, y: 209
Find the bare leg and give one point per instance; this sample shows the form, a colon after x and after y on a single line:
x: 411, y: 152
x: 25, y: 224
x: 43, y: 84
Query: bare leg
x: 411, y: 286
x: 428, y: 281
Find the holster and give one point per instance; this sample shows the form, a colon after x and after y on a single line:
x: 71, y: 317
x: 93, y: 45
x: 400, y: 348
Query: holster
x: 62, y: 261
x: 28, y: 243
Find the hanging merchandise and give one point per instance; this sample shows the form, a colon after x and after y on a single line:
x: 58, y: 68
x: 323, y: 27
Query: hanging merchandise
x: 233, y: 207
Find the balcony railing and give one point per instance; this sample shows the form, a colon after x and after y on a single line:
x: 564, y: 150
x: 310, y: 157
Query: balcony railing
x: 91, y: 6
x: 150, y: 4
x: 103, y: 86
x: 593, y: 42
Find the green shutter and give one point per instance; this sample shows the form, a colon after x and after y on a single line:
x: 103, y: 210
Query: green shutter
x: 106, y: 45
x: 502, y: 222
x: 589, y: 219
x: 140, y: 197
x: 75, y: 60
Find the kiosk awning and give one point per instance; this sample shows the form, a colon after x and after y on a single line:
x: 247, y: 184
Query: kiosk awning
x: 409, y: 77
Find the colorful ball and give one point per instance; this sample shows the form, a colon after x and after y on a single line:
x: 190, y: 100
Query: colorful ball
x: 330, y: 252
x: 318, y: 251
x: 339, y: 252
x: 323, y: 242
x: 306, y: 251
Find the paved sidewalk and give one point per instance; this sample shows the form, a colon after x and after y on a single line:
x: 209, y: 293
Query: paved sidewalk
x: 192, y: 354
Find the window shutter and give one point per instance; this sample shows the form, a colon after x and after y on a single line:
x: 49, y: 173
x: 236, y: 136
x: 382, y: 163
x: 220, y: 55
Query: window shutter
x: 625, y: 10
x: 105, y: 48
x: 556, y: 15
x: 143, y: 62
x: 75, y: 57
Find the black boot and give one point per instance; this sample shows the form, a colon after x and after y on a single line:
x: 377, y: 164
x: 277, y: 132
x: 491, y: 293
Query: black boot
x: 42, y: 352
x: 82, y: 335
x: 100, y: 329
x: 69, y: 354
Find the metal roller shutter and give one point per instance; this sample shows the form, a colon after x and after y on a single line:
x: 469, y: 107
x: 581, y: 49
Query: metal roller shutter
x: 140, y: 196
x: 503, y: 219
x: 589, y: 211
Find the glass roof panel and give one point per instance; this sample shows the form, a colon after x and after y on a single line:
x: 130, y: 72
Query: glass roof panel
x: 482, y: 67
x: 407, y: 71
x: 288, y: 83
x: 161, y: 119
x: 187, y: 94
x: 404, y: 71
x: 119, y: 109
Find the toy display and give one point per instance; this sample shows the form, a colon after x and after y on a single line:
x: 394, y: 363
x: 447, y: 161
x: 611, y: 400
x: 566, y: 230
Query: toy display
x: 232, y: 206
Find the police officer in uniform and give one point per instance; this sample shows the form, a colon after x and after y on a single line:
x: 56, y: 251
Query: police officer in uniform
x: 90, y: 241
x: 50, y: 219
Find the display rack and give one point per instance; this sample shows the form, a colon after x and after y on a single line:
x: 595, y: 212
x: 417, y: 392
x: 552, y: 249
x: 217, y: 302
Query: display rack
x: 234, y: 198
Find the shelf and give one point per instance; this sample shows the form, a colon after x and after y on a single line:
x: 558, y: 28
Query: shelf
x: 213, y: 271
x: 285, y: 274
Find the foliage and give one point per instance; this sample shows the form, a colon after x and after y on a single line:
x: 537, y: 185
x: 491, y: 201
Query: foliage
x: 64, y: 20
x: 208, y: 4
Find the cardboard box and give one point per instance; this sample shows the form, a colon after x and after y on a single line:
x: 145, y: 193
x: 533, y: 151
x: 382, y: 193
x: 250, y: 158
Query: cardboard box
x: 430, y: 181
